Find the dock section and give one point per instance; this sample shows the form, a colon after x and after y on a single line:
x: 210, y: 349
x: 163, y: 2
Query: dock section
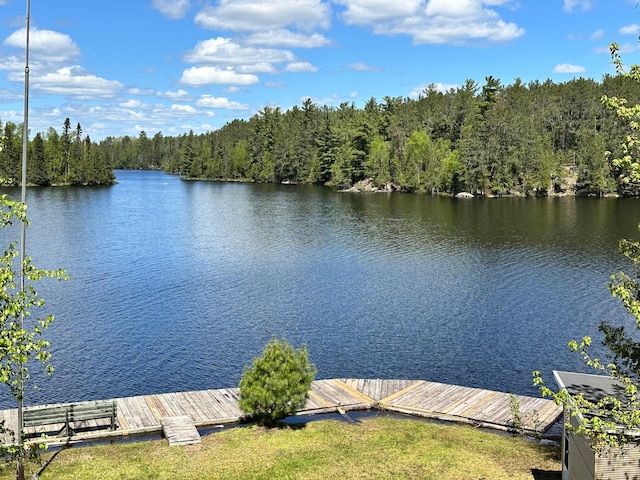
x: 482, y: 408
x: 180, y: 430
x: 209, y: 408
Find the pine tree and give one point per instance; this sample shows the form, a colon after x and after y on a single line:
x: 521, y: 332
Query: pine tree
x: 277, y: 383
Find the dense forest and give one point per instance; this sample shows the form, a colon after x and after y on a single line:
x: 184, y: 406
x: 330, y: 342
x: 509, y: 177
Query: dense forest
x: 53, y: 159
x: 520, y: 139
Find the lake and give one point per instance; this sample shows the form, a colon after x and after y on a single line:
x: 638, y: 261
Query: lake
x: 177, y: 285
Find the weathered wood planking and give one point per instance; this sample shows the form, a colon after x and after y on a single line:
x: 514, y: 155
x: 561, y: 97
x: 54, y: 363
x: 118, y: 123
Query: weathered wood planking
x: 206, y: 408
x: 473, y: 405
x: 180, y: 430
x: 378, y: 389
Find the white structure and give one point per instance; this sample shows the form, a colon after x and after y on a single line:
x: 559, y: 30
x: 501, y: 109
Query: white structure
x: 579, y: 460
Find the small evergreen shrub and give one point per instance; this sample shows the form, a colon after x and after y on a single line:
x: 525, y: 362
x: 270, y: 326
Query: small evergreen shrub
x: 277, y: 383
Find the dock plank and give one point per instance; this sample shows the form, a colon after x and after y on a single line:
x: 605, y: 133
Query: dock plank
x: 136, y: 413
x: 214, y: 406
x: 180, y: 430
x: 204, y: 408
x: 472, y: 405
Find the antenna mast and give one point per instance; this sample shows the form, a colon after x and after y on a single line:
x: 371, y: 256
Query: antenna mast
x: 23, y: 233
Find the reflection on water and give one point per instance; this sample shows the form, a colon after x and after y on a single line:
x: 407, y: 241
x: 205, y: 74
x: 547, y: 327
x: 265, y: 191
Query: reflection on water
x: 178, y: 285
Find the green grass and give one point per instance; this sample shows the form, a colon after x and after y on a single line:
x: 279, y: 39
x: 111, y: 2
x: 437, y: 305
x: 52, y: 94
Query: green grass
x: 378, y: 447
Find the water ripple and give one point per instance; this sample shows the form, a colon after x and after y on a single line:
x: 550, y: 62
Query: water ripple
x: 178, y: 285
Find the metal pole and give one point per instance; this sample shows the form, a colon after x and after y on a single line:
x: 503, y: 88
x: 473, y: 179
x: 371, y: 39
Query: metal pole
x: 23, y: 233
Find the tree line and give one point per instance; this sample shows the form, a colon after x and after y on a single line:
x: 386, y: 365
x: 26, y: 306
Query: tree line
x: 52, y: 158
x: 520, y: 139
x: 537, y: 138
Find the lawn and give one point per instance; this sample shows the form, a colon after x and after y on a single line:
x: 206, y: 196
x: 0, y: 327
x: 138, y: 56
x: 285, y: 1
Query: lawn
x: 376, y: 447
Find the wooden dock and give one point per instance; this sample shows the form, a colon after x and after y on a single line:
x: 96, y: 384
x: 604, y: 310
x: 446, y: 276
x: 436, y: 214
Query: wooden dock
x: 180, y: 430
x: 146, y: 414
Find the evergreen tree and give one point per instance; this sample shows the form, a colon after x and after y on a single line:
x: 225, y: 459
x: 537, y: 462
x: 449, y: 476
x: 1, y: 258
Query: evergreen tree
x: 37, y: 164
x: 277, y: 384
x: 10, y: 156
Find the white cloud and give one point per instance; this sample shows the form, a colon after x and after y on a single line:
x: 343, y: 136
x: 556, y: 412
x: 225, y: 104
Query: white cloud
x: 597, y: 34
x: 632, y: 29
x: 234, y: 89
x: 209, y: 101
x: 361, y: 12
x: 47, y: 45
x: 334, y: 99
x: 224, y: 51
x: 286, y: 38
x: 141, y: 91
x: 198, y: 76
x: 131, y: 103
x: 173, y: 9
x: 177, y: 95
x: 256, y: 68
x: 299, y: 67
x: 275, y: 84
x: 454, y: 9
x: 436, y: 21
x: 626, y: 48
x: 183, y: 108
x: 75, y: 81
x: 12, y: 64
x: 568, y: 68
x: 255, y: 15
x: 439, y: 87
x: 571, y: 5
x: 362, y: 67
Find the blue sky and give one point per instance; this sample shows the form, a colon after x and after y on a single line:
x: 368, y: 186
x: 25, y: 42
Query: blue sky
x: 118, y: 67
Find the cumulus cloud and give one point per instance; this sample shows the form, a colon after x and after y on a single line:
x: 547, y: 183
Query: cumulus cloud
x: 254, y: 15
x: 361, y: 12
x: 256, y: 68
x: 571, y: 5
x: 454, y: 9
x: 334, y: 99
x: 299, y: 67
x: 208, y: 75
x: 433, y: 21
x: 173, y: 9
x: 438, y: 87
x: 568, y: 68
x: 141, y: 91
x: 45, y: 45
x: 632, y: 29
x: 131, y: 104
x: 53, y: 68
x: 287, y: 38
x: 177, y: 95
x: 224, y: 51
x: 12, y: 64
x: 183, y: 108
x: 75, y: 81
x: 209, y: 101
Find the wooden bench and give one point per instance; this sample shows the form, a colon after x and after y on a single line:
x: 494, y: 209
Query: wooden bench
x: 70, y: 414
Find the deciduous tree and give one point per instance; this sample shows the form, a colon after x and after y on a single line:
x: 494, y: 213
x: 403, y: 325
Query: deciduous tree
x: 611, y: 418
x: 21, y: 335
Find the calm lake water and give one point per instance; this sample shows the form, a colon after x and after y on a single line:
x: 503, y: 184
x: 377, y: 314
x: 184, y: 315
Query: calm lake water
x: 177, y: 285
